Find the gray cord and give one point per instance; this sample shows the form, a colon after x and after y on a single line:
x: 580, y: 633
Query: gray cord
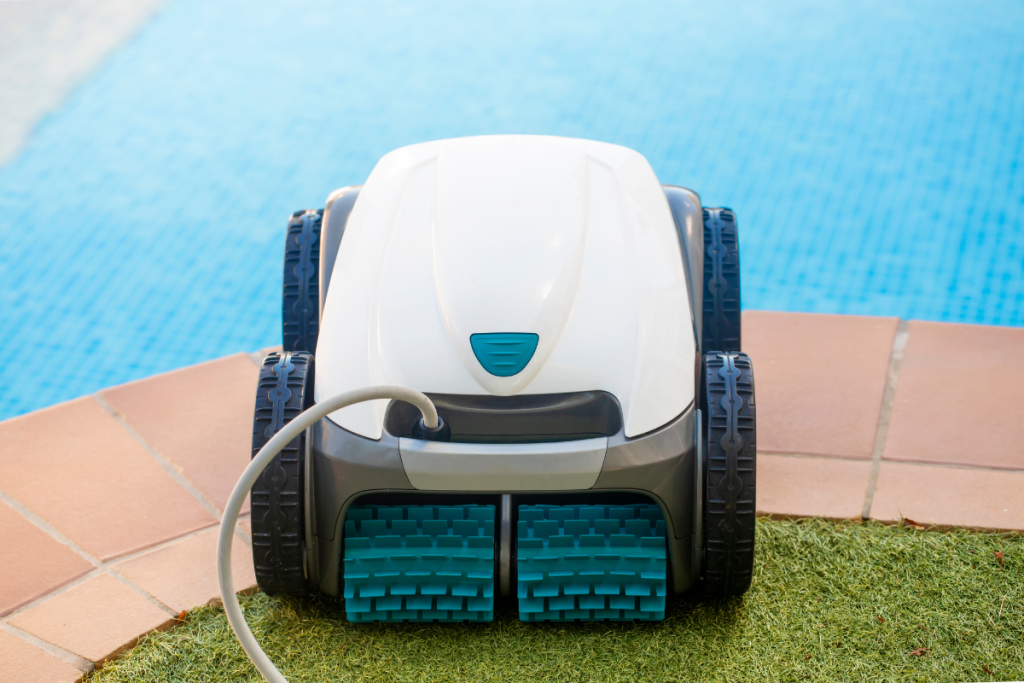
x: 259, y: 463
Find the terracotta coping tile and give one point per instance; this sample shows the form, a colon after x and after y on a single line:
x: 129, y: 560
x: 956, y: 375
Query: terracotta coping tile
x: 97, y: 619
x: 959, y: 397
x: 22, y: 662
x: 272, y: 349
x: 81, y: 471
x: 811, y: 486
x: 32, y: 563
x: 184, y: 575
x: 199, y: 418
x: 819, y: 380
x: 949, y: 496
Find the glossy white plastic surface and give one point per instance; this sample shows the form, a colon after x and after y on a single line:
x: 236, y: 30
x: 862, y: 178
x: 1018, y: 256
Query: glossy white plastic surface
x: 570, y: 239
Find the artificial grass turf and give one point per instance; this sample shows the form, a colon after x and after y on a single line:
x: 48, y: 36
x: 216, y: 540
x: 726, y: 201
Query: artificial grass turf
x: 830, y: 602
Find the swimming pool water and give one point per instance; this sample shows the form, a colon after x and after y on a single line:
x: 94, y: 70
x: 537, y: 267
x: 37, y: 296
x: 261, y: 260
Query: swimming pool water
x: 871, y: 149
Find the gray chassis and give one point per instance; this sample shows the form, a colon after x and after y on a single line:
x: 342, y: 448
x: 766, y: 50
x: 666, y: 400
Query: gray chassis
x: 662, y: 465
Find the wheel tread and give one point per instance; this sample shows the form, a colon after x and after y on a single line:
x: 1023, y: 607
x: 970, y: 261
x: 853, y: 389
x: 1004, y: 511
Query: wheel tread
x: 301, y: 288
x: 721, y: 305
x: 276, y: 498
x: 730, y: 485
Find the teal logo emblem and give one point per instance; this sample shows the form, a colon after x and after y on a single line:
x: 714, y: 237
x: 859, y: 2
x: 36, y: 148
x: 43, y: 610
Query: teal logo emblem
x: 504, y: 353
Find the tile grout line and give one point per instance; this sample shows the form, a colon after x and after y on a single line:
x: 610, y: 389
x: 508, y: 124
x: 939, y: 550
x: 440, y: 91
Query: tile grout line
x: 166, y: 464
x: 102, y: 567
x: 915, y: 463
x: 955, y: 466
x: 66, y: 656
x: 110, y: 568
x: 120, y: 578
x: 157, y: 546
x: 819, y: 456
x: 240, y: 533
x: 105, y: 567
x: 47, y: 528
x: 42, y: 599
x: 899, y: 345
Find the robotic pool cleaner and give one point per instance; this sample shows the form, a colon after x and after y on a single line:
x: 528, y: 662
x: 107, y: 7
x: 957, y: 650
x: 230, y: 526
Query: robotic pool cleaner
x: 511, y: 368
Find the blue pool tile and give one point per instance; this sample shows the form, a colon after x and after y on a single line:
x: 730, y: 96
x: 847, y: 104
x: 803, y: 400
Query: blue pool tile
x: 871, y: 149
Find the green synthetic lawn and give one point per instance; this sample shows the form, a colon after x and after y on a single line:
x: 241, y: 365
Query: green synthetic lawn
x: 830, y: 602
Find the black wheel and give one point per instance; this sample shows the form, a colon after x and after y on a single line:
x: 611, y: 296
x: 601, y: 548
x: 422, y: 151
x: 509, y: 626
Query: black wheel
x: 730, y: 473
x: 301, y: 313
x: 721, y: 307
x: 278, y: 522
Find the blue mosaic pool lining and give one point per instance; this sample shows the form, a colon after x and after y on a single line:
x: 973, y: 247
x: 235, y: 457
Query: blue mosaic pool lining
x: 872, y: 150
